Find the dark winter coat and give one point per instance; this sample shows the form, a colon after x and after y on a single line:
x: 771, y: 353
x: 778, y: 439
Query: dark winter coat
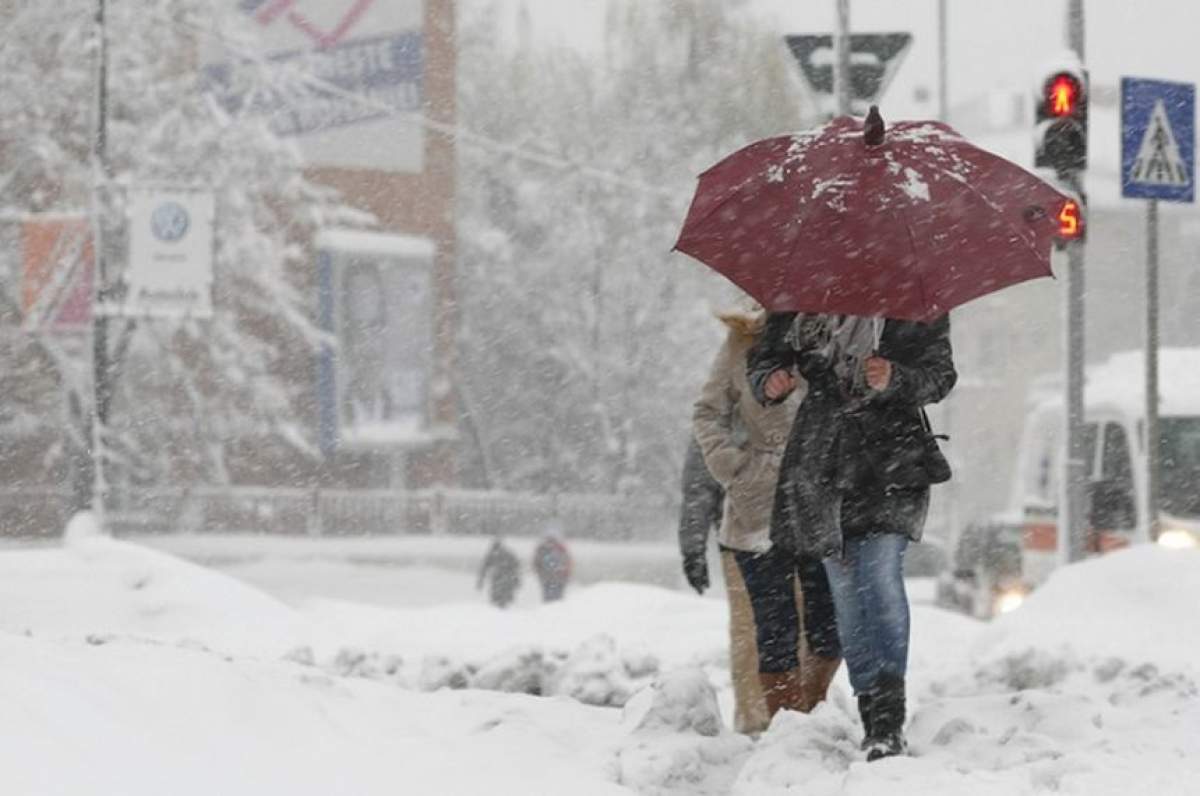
x: 502, y: 566
x: 856, y: 466
x: 703, y: 498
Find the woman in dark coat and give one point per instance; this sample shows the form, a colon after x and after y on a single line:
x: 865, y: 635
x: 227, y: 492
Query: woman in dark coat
x: 854, y: 482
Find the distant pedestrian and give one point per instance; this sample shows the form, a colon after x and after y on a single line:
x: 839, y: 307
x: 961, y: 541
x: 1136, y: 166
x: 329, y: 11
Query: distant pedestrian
x: 854, y: 483
x: 552, y: 565
x: 775, y: 664
x: 502, y: 566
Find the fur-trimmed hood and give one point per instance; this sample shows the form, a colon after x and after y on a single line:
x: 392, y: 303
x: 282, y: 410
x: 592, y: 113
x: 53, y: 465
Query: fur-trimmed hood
x: 743, y: 321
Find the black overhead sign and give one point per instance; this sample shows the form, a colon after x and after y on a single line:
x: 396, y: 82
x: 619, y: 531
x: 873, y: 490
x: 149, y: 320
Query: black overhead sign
x: 873, y: 60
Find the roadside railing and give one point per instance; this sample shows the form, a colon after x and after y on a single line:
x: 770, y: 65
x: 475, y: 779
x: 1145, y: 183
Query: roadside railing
x: 337, y: 512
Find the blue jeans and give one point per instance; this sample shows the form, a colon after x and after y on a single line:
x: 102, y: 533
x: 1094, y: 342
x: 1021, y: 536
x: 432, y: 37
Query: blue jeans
x: 871, y: 606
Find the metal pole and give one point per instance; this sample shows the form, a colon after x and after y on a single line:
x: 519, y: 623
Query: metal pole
x: 943, y: 53
x: 102, y: 390
x: 841, y: 64
x: 952, y: 491
x: 1075, y: 29
x: 1153, y: 462
x: 1074, y: 521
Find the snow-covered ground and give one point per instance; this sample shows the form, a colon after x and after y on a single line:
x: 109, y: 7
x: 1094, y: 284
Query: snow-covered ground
x: 128, y: 670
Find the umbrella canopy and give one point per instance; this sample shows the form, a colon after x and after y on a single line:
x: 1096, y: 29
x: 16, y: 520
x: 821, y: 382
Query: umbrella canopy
x: 906, y: 224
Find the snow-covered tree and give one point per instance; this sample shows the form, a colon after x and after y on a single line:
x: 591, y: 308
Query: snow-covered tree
x: 584, y: 338
x: 191, y: 398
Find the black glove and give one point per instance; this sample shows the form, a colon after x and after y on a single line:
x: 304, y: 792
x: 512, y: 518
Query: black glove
x: 695, y: 569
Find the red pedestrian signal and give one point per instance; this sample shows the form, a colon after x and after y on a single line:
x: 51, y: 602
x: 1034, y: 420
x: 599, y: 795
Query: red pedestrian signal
x: 1060, y: 129
x: 1062, y: 95
x: 1070, y: 224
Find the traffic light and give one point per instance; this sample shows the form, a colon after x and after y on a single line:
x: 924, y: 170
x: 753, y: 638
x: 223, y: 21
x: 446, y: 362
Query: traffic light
x: 1071, y: 218
x: 1060, y: 134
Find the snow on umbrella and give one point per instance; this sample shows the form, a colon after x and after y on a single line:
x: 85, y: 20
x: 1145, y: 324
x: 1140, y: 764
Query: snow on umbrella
x: 848, y: 219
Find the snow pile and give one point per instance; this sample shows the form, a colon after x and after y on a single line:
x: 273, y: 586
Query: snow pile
x: 96, y: 586
x: 127, y: 671
x: 651, y: 627
x: 145, y: 675
x: 81, y: 526
x: 1090, y: 687
x: 1123, y: 609
x: 805, y: 753
x: 596, y: 673
x: 143, y: 719
x: 439, y: 672
x: 678, y: 743
x: 524, y: 670
x: 682, y: 701
x: 367, y: 665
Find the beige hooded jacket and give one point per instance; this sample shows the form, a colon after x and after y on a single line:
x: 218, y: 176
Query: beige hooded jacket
x: 742, y: 441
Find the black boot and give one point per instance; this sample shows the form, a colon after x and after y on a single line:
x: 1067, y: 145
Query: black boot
x: 866, y: 712
x: 886, y: 738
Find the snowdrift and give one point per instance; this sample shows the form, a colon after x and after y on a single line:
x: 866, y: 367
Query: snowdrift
x: 1133, y: 607
x: 127, y: 671
x: 1089, y: 688
x: 97, y: 587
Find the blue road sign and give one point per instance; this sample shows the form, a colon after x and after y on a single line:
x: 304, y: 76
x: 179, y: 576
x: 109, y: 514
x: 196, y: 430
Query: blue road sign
x: 1158, y: 140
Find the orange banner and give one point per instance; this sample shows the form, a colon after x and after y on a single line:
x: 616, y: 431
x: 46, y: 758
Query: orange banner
x: 58, y: 266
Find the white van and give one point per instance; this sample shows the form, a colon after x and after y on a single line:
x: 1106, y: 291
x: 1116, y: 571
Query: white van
x: 1114, y: 408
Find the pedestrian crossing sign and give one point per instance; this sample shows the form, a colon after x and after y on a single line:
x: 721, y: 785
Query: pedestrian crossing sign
x: 1158, y: 140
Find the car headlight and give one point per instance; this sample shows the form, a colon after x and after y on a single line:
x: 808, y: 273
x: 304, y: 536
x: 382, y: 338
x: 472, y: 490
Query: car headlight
x: 1009, y: 600
x: 1178, y: 539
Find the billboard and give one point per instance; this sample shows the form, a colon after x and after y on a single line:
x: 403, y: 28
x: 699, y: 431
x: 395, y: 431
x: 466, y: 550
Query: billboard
x: 57, y: 271
x: 375, y: 300
x: 351, y: 84
x: 170, y: 272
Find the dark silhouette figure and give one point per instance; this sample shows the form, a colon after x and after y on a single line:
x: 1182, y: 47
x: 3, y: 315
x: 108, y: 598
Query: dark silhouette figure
x: 502, y: 566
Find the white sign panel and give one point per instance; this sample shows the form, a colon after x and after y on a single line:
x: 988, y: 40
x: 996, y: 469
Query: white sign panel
x: 170, y: 272
x: 349, y: 84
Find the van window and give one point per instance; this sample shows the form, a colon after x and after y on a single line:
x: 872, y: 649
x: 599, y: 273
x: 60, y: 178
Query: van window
x: 1042, y: 462
x: 1179, y: 455
x: 1044, y: 459
x: 1113, y: 498
x: 1116, y: 462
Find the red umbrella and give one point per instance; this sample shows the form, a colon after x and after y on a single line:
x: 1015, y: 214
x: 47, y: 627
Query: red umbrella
x: 848, y: 219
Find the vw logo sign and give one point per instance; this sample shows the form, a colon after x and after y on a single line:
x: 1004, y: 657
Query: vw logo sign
x: 169, y: 222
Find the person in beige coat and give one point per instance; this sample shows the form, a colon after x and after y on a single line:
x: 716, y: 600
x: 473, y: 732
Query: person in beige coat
x: 742, y: 443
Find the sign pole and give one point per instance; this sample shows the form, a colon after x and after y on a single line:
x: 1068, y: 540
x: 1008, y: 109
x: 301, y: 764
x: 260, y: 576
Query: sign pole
x: 1077, y: 463
x: 943, y: 65
x: 101, y: 387
x: 1153, y: 465
x: 1158, y: 163
x: 1074, y: 523
x: 841, y: 65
